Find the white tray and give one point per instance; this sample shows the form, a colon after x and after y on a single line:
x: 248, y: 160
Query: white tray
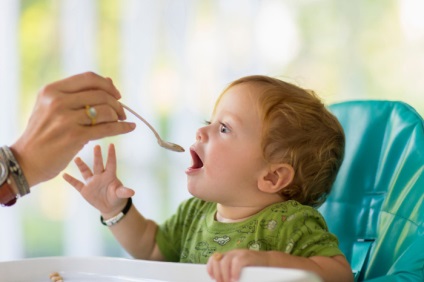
x: 107, y: 269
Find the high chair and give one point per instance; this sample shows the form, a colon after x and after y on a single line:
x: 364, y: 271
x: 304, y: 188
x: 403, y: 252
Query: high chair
x: 376, y: 205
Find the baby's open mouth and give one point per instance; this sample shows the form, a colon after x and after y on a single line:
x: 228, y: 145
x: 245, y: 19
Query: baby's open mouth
x: 196, y: 161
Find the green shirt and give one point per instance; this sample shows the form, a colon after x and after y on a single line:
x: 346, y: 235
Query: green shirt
x: 192, y: 234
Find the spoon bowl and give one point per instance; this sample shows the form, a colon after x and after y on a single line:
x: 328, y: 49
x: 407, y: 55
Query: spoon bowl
x: 161, y: 142
x: 170, y: 146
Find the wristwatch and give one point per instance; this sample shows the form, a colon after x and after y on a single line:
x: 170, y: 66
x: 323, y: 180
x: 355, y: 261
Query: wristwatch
x: 8, y: 194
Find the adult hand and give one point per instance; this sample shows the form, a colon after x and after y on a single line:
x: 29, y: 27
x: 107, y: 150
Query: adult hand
x: 60, y: 126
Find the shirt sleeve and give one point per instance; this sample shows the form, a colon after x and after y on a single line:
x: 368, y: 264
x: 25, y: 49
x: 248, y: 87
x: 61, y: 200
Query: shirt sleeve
x: 168, y: 236
x: 171, y: 234
x: 308, y: 235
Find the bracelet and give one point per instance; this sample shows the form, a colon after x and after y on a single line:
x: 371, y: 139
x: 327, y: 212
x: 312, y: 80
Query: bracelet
x: 15, y: 171
x: 114, y: 220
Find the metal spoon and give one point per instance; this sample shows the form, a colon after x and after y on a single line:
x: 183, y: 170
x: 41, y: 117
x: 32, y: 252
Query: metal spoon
x: 162, y: 143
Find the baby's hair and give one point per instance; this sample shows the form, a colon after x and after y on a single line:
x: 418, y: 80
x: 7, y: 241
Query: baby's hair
x: 300, y: 131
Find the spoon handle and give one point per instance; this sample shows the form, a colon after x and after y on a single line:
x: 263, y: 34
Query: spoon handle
x: 142, y: 119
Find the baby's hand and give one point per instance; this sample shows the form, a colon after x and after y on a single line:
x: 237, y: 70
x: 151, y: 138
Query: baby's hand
x: 226, y: 267
x: 102, y: 188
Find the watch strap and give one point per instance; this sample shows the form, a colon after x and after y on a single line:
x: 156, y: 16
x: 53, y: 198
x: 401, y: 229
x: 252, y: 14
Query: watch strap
x: 7, y: 195
x: 117, y: 218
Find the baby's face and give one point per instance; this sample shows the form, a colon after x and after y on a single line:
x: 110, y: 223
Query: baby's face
x: 227, y: 158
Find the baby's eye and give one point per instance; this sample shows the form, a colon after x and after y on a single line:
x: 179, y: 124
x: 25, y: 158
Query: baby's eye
x: 207, y: 122
x: 223, y: 128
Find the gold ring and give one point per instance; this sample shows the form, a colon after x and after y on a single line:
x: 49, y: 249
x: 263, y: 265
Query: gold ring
x: 91, y: 113
x: 217, y: 256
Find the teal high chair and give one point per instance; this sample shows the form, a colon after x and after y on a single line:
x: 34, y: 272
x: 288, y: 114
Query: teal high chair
x: 376, y: 205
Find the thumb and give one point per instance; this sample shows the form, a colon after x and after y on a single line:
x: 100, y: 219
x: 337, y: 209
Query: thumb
x: 123, y: 192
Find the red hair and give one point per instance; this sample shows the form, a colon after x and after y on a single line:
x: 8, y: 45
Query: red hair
x: 300, y: 131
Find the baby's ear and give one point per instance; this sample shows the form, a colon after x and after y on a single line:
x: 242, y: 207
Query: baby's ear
x: 275, y: 178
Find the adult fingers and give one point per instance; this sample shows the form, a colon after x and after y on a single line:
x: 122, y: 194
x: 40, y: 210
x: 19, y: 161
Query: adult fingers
x: 85, y: 81
x: 55, y: 104
x: 95, y: 115
x: 106, y: 129
x: 59, y: 97
x: 92, y: 98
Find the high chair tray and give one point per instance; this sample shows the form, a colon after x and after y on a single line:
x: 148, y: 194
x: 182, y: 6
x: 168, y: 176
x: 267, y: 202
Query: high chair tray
x: 108, y: 269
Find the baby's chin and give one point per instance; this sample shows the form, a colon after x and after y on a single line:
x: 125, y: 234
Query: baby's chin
x: 196, y: 192
x: 192, y: 189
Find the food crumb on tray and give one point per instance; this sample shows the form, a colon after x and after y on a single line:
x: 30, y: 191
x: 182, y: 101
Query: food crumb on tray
x: 55, y: 277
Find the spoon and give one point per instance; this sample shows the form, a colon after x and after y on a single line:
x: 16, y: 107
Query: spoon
x: 162, y: 143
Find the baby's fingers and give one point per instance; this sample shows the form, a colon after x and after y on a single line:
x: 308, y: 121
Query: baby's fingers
x: 111, y: 159
x: 214, y: 267
x: 98, y: 160
x: 236, y: 268
x: 78, y: 185
x: 83, y: 168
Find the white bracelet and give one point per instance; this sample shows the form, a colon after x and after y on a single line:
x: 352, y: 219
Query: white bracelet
x: 114, y: 220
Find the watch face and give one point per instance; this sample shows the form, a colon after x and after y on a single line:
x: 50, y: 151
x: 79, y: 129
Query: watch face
x: 3, y: 172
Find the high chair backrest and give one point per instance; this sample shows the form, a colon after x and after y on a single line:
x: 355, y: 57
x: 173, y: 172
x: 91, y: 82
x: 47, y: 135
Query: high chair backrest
x: 376, y: 205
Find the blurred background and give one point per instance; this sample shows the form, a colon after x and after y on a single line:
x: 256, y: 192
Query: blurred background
x: 171, y: 59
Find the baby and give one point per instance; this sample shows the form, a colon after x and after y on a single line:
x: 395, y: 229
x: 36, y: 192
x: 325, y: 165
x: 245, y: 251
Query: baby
x: 264, y: 162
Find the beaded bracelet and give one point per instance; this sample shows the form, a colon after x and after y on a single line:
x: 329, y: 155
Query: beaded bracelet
x: 114, y: 220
